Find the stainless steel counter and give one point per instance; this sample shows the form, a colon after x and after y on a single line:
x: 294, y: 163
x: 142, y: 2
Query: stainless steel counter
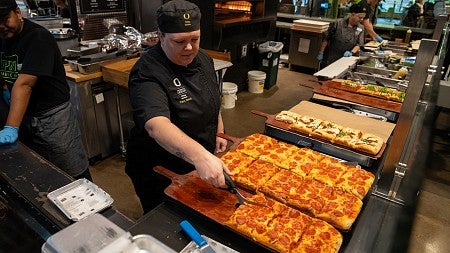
x: 26, y: 179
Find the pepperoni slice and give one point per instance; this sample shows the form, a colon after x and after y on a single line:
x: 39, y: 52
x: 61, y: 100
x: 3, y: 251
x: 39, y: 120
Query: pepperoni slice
x: 361, y: 191
x: 325, y: 235
x: 240, y: 220
x: 337, y: 213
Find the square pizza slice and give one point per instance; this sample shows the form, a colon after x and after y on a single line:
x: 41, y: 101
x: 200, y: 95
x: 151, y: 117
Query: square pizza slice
x: 306, y: 197
x: 341, y: 208
x: 285, y: 231
x: 347, y: 137
x: 356, y: 181
x: 255, y: 175
x: 255, y: 144
x: 328, y: 171
x: 369, y: 143
x: 327, y: 130
x: 282, y: 185
x: 287, y: 116
x: 319, y: 237
x: 253, y: 220
x: 302, y: 161
x: 235, y: 161
x: 306, y: 124
x: 278, y: 153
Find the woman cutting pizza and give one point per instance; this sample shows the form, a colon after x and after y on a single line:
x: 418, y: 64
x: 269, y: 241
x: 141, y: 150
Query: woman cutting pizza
x: 176, y: 107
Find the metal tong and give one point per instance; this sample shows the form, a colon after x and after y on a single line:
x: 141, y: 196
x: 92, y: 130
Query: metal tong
x: 233, y: 189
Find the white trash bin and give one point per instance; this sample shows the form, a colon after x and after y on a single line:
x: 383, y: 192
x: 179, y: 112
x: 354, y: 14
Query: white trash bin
x: 229, y: 95
x: 256, y: 80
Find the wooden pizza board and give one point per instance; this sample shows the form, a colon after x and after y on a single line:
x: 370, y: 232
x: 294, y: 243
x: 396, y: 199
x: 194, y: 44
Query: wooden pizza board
x: 365, y: 124
x: 337, y: 84
x: 359, y: 98
x: 190, y: 190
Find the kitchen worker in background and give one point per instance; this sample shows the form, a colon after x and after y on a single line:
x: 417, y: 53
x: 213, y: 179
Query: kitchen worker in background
x: 439, y: 8
x: 370, y: 7
x: 63, y: 8
x: 414, y: 14
x: 344, y: 37
x: 32, y: 69
x: 176, y: 103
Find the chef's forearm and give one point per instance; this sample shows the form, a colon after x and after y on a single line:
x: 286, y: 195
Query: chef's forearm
x: 220, y: 126
x: 20, y: 97
x: 368, y: 27
x: 175, y: 141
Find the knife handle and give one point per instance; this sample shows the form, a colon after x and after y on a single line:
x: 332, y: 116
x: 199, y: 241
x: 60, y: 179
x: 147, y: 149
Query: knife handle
x: 229, y: 182
x: 193, y: 233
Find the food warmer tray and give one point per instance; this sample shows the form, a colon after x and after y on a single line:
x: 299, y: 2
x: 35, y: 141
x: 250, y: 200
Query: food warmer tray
x: 280, y: 130
x: 354, y: 108
x: 80, y: 199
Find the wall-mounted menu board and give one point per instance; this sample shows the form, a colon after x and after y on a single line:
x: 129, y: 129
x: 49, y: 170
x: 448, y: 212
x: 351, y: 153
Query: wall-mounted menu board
x: 95, y: 6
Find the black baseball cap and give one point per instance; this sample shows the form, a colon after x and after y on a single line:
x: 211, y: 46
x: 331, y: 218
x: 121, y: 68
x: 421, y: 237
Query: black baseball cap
x: 178, y: 16
x: 6, y: 6
x: 358, y: 8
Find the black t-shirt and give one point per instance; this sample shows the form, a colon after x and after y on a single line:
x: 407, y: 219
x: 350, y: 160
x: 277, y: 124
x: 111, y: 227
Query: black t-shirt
x: 34, y: 51
x: 188, y: 96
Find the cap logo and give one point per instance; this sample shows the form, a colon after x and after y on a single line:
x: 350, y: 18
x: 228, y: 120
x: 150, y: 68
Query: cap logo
x: 187, y: 17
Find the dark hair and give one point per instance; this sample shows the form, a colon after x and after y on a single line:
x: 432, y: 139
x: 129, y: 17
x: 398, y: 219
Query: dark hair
x: 6, y: 6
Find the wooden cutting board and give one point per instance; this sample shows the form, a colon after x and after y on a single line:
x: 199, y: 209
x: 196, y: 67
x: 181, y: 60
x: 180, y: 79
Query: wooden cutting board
x: 359, y: 98
x: 190, y: 190
x: 118, y: 72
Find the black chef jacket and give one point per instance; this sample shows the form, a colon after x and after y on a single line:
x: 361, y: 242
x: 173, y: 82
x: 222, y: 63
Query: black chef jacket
x: 188, y: 96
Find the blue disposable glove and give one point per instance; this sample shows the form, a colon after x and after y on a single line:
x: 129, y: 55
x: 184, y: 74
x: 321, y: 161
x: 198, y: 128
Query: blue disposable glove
x: 378, y: 38
x: 7, y: 96
x: 320, y: 56
x: 9, y: 134
x: 347, y: 54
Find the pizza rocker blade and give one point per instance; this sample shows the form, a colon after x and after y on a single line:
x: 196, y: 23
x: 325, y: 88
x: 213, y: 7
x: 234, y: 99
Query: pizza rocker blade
x: 233, y: 189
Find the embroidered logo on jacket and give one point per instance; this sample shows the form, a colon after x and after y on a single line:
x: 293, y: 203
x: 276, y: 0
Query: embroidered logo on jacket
x: 9, y: 68
x: 182, y: 93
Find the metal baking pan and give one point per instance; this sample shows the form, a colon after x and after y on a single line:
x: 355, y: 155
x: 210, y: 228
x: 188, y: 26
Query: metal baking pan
x: 192, y: 247
x: 280, y: 130
x: 84, y: 68
x: 320, y: 146
x: 80, y: 198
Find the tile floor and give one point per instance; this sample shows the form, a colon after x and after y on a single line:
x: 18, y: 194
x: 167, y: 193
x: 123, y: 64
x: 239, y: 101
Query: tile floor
x: 431, y: 227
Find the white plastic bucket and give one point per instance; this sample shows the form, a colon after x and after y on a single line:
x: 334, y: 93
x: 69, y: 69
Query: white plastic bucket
x: 256, y: 81
x: 229, y: 95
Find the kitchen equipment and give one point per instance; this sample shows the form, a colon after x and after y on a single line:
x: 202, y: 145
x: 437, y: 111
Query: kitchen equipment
x: 280, y: 130
x: 198, y: 239
x: 80, y: 198
x: 97, y: 234
x: 342, y: 104
x: 233, y: 189
x: 193, y: 248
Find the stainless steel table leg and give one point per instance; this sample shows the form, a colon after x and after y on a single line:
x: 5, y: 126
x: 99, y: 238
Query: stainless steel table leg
x: 123, y: 149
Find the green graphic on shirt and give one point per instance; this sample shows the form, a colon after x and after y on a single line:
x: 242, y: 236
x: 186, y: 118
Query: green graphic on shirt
x: 9, y: 68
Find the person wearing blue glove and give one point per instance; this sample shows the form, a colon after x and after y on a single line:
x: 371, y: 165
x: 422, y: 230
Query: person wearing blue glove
x: 348, y: 54
x: 320, y: 56
x: 344, y: 37
x: 8, y: 135
x: 378, y: 38
x: 370, y: 7
x: 39, y: 102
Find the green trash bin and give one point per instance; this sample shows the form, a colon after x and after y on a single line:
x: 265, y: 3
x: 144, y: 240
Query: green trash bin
x: 269, y: 57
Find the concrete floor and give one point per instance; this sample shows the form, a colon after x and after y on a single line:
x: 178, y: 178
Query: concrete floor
x: 431, y: 228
